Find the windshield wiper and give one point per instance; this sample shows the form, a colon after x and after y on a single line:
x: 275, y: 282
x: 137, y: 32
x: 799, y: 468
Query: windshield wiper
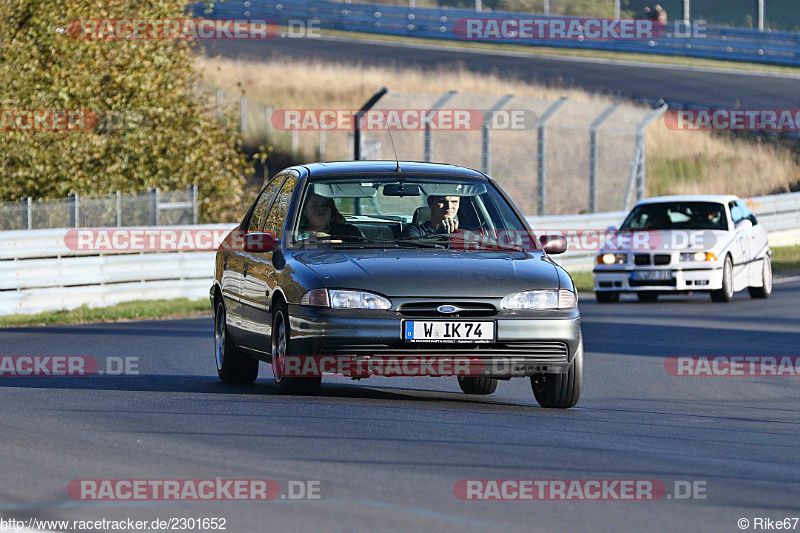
x: 418, y: 242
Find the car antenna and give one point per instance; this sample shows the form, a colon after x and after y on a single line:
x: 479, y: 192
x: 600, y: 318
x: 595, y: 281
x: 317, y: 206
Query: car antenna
x: 394, y: 150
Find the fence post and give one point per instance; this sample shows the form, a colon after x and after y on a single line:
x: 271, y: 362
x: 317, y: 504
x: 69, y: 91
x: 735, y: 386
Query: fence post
x: 616, y: 9
x: 27, y: 221
x: 687, y: 12
x: 243, y: 114
x: 641, y: 171
x: 546, y: 7
x: 294, y: 141
x: 193, y: 192
x: 486, y: 160
x: 594, y: 154
x: 541, y: 142
x: 357, y: 123
x: 478, y: 6
x: 322, y: 144
x: 761, y: 15
x: 71, y: 210
x: 119, y: 208
x: 219, y: 104
x: 154, y: 207
x: 268, y: 120
x: 428, y: 136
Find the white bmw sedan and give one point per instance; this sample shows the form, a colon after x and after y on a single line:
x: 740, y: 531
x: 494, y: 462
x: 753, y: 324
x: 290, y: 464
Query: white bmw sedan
x: 679, y: 244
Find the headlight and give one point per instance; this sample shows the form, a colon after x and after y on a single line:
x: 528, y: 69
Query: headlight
x: 342, y: 299
x: 698, y: 256
x: 540, y: 300
x: 612, y: 259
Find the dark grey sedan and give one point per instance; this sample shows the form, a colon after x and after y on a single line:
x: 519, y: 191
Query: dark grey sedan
x: 385, y: 268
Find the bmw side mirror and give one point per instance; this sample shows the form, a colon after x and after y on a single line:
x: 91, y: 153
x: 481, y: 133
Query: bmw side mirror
x: 553, y: 244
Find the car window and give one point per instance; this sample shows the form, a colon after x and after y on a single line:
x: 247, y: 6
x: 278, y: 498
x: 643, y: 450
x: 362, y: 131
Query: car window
x: 276, y: 218
x: 736, y: 212
x: 676, y: 216
x: 263, y: 203
x: 746, y: 212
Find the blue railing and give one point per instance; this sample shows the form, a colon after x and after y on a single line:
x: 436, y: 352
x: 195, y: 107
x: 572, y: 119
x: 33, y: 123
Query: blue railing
x: 710, y: 42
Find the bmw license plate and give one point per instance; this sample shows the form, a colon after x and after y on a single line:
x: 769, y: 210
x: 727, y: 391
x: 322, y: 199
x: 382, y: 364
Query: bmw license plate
x: 447, y: 331
x: 651, y: 275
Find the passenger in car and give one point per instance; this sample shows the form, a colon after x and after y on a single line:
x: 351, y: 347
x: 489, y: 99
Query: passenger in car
x: 321, y: 220
x: 443, y: 217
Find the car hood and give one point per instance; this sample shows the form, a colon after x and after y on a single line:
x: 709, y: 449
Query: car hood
x: 432, y: 273
x: 667, y: 241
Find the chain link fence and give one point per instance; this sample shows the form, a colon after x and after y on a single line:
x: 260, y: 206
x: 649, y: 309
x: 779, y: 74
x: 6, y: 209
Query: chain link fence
x: 146, y: 208
x: 553, y: 156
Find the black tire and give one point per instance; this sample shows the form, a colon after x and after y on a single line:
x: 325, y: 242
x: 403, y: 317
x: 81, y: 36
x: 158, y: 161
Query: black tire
x: 725, y: 294
x: 766, y: 281
x: 647, y: 296
x: 478, y: 385
x: 560, y: 391
x: 233, y: 366
x: 607, y: 297
x: 282, y: 346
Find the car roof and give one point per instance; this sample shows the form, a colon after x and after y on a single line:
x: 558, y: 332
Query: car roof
x: 355, y: 168
x: 716, y: 198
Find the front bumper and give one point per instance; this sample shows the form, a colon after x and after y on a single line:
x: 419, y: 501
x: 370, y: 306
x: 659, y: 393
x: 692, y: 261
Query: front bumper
x: 523, y: 346
x: 683, y: 279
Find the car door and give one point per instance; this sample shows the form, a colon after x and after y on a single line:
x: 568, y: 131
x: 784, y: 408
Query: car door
x: 259, y: 277
x: 237, y: 261
x: 757, y: 241
x: 740, y: 248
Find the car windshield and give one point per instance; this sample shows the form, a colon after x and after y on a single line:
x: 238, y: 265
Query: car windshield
x: 677, y: 216
x: 412, y: 211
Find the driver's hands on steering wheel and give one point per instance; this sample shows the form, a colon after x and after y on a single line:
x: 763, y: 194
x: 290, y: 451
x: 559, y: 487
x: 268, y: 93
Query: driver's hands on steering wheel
x: 448, y: 225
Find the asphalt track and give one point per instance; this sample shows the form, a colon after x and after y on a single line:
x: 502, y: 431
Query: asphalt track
x: 699, y: 86
x: 390, y: 450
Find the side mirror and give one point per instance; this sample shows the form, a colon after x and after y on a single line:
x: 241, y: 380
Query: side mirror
x: 744, y: 224
x: 553, y: 244
x: 259, y: 242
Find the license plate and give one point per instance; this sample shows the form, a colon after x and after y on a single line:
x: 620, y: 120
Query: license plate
x: 651, y: 275
x: 447, y: 331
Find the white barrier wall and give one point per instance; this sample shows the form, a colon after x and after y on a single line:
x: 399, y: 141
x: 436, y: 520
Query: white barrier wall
x: 40, y: 272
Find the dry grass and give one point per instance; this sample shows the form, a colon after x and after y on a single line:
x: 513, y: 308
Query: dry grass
x: 679, y: 162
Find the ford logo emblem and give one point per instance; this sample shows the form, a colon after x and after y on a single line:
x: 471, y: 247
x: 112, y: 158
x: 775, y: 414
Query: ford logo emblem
x: 447, y: 309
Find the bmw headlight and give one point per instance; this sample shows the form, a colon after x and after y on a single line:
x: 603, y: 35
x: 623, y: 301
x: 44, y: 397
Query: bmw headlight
x: 540, y: 300
x: 344, y: 299
x: 698, y: 256
x: 612, y: 259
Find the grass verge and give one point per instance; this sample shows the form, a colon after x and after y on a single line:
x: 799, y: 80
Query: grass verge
x: 137, y: 310
x: 786, y: 259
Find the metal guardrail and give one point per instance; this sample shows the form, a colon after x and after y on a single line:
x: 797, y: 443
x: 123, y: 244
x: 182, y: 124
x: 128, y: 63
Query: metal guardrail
x: 39, y: 272
x: 710, y: 42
